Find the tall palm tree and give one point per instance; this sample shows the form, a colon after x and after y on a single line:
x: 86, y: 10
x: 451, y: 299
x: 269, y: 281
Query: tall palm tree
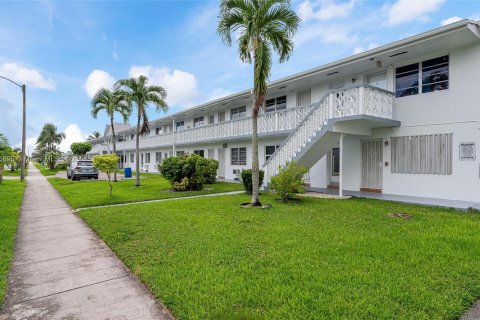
x: 137, y: 91
x: 94, y: 135
x: 263, y: 26
x: 3, y: 140
x: 49, y: 137
x: 111, y: 102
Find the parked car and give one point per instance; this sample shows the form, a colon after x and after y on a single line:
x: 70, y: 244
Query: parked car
x: 82, y: 169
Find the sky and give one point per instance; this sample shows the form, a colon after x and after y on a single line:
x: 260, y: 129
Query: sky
x: 64, y: 51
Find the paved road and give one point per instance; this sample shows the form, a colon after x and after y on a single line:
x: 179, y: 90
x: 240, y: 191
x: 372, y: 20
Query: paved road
x: 62, y: 270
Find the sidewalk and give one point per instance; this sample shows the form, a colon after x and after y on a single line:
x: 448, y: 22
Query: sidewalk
x: 62, y: 270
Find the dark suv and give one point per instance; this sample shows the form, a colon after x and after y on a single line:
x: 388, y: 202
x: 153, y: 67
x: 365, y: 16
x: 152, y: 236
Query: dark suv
x: 82, y: 169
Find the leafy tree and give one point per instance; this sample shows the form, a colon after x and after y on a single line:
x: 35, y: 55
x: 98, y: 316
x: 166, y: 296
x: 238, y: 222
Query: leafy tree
x: 80, y: 148
x: 49, y: 138
x: 94, y: 135
x: 136, y: 91
x: 106, y: 163
x: 111, y: 102
x: 263, y: 26
x: 5, y: 153
x: 289, y: 181
x: 51, y: 158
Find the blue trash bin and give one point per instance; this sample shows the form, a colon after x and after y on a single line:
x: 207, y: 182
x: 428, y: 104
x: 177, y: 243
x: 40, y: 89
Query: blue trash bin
x: 127, y: 172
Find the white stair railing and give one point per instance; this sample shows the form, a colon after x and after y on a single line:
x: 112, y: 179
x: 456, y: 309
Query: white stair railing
x: 354, y: 100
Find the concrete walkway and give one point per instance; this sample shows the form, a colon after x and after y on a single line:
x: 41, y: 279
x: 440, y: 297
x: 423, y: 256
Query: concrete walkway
x: 62, y: 270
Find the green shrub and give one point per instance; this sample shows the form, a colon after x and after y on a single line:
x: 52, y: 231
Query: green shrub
x: 289, y: 181
x: 80, y: 148
x: 211, y: 171
x: 246, y: 177
x: 61, y: 166
x: 197, y: 171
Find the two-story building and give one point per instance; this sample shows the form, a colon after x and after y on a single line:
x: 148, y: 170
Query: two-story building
x: 401, y: 119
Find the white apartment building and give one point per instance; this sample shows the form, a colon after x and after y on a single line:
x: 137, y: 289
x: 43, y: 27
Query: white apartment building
x: 401, y: 119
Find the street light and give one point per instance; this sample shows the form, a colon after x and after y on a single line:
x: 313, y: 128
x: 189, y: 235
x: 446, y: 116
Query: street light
x: 24, y: 91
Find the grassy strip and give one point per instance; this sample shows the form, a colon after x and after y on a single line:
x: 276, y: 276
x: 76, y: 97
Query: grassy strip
x: 320, y: 259
x: 16, y: 173
x: 11, y: 194
x: 45, y: 170
x: 89, y: 193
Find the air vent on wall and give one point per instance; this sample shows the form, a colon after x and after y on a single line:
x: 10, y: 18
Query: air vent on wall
x: 397, y: 54
x: 332, y: 73
x: 282, y: 87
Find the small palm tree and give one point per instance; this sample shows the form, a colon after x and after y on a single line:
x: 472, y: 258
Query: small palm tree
x: 137, y: 91
x: 94, y: 135
x: 111, y: 102
x: 263, y: 26
x: 48, y: 140
x: 49, y: 137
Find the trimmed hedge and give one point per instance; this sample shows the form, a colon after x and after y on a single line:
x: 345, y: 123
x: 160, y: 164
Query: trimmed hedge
x: 246, y: 177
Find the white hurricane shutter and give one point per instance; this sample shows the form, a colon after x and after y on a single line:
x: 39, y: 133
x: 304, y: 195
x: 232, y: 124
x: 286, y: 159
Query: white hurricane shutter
x: 304, y: 98
x: 422, y: 154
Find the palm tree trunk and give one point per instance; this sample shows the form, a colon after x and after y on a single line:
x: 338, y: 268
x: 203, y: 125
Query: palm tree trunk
x: 114, y: 149
x: 137, y: 152
x: 255, y: 170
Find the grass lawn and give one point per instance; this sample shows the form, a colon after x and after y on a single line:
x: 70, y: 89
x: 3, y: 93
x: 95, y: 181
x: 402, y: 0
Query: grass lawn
x: 320, y: 259
x: 90, y: 193
x: 45, y: 170
x: 11, y: 193
x: 16, y: 173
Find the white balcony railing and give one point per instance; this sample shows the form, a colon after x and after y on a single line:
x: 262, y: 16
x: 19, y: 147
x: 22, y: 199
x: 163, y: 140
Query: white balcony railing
x: 356, y: 100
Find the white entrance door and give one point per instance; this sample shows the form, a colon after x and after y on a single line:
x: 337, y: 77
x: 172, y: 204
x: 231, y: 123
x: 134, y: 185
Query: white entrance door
x: 372, y: 165
x: 221, y: 162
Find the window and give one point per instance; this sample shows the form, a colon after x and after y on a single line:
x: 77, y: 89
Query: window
x: 198, y: 121
x: 221, y: 116
x: 132, y: 157
x: 435, y: 74
x: 276, y: 104
x: 147, y: 157
x: 406, y: 80
x: 166, y: 155
x: 239, y: 156
x: 158, y: 157
x: 211, y: 119
x: 269, y: 150
x: 180, y: 153
x: 201, y: 153
x: 141, y: 158
x: 211, y: 153
x: 378, y: 80
x: 433, y: 77
x: 335, y: 161
x: 180, y: 125
x: 238, y: 113
x: 423, y: 154
x: 158, y: 131
x: 132, y: 136
x: 304, y: 98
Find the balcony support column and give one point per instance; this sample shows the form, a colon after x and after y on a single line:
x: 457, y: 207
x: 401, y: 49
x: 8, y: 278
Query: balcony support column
x: 173, y: 136
x: 340, y: 176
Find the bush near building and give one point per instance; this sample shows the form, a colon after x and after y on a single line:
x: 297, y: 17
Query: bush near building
x: 246, y: 177
x: 289, y: 181
x: 188, y: 172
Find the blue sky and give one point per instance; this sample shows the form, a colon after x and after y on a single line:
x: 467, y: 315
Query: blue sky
x: 65, y: 51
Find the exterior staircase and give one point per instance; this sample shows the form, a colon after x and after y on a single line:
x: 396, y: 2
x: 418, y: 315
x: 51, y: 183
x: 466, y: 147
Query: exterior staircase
x: 352, y: 110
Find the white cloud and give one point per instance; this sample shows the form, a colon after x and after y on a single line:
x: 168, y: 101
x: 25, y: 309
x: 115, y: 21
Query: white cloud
x: 404, y: 11
x: 96, y: 80
x: 332, y: 34
x: 325, y: 10
x: 181, y: 86
x: 358, y: 50
x: 30, y: 77
x: 219, y: 93
x: 73, y: 134
x: 450, y: 20
x: 115, y: 52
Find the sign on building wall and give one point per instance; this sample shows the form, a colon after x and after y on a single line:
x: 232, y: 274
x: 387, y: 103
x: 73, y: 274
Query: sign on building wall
x: 467, y: 151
